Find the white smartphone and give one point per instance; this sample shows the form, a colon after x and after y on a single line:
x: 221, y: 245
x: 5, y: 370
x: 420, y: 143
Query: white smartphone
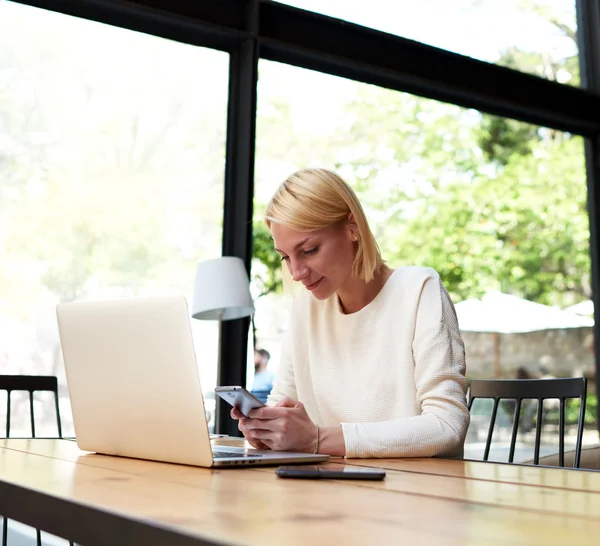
x: 239, y: 398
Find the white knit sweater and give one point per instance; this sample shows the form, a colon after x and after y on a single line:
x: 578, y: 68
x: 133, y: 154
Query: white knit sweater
x: 392, y: 374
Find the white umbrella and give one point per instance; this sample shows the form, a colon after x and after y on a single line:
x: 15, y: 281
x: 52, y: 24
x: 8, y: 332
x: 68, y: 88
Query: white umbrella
x: 506, y: 314
x: 582, y: 308
x: 499, y: 313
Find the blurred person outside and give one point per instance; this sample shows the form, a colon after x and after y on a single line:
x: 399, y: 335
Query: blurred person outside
x: 263, y: 377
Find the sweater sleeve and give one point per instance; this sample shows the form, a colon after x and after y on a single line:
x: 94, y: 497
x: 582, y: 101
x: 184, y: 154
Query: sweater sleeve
x: 439, y: 359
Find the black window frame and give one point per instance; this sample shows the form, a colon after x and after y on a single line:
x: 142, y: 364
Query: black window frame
x: 252, y: 29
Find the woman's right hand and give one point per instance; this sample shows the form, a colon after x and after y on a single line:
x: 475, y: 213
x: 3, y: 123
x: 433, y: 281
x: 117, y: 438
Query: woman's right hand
x: 238, y: 416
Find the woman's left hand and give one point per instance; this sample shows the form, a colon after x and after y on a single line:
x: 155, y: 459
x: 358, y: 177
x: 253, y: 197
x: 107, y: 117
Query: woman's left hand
x: 283, y: 427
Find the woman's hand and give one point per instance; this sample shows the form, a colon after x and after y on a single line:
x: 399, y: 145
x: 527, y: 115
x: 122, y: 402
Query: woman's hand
x: 283, y: 427
x: 237, y: 415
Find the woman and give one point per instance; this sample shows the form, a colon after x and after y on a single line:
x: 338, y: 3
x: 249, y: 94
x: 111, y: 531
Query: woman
x: 373, y: 364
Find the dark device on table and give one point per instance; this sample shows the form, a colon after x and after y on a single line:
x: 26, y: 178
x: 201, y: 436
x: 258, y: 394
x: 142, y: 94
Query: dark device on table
x: 239, y: 398
x: 319, y: 473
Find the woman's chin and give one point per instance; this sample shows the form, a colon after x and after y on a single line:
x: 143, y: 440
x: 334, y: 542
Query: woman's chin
x: 322, y: 293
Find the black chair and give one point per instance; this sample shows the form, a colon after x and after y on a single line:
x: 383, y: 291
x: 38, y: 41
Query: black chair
x: 536, y: 389
x: 31, y: 384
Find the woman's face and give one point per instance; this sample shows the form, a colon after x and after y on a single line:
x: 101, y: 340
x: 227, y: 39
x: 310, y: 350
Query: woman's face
x: 321, y: 259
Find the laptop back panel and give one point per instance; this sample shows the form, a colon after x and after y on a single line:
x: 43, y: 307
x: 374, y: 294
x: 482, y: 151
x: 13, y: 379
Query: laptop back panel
x: 133, y: 381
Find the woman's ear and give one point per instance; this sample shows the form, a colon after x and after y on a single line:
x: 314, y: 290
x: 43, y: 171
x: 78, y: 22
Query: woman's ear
x: 352, y: 227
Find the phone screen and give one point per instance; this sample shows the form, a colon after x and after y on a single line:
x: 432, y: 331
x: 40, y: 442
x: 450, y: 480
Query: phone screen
x: 337, y: 472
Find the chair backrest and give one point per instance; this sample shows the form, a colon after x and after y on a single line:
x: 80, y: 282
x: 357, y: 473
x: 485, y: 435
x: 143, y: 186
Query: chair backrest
x: 536, y: 389
x: 30, y: 383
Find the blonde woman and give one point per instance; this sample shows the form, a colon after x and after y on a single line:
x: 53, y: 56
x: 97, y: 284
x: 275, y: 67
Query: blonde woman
x: 373, y: 364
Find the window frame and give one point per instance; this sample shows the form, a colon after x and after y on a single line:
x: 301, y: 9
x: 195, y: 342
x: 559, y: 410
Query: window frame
x: 252, y: 29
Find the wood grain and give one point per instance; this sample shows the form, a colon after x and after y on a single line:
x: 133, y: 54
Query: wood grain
x: 499, y: 492
x: 253, y: 506
x: 559, y: 478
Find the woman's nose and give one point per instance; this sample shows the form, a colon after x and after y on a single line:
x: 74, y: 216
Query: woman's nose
x: 299, y: 271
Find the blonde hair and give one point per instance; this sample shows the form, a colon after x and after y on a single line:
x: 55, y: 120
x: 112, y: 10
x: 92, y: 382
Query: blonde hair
x: 313, y: 199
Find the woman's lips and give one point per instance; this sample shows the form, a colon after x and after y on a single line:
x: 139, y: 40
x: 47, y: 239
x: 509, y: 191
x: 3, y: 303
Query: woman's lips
x: 314, y: 285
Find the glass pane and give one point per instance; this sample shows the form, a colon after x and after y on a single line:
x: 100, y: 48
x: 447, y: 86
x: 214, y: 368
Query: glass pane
x: 112, y: 168
x: 534, y: 36
x: 496, y: 206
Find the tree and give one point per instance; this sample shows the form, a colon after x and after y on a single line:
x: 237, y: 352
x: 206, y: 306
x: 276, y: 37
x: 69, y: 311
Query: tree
x: 501, y: 138
x: 524, y: 232
x: 266, y: 267
x: 268, y: 278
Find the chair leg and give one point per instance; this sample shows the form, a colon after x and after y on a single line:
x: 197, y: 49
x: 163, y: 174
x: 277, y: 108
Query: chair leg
x: 513, y: 437
x: 561, y: 438
x: 32, y: 417
x: 37, y: 533
x: 488, y: 443
x: 538, y: 431
x: 8, y: 414
x: 580, y: 425
x: 57, y: 408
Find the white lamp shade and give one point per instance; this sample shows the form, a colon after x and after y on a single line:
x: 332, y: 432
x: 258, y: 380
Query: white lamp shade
x: 222, y: 290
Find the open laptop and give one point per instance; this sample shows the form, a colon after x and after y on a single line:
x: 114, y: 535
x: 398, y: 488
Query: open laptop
x: 134, y: 385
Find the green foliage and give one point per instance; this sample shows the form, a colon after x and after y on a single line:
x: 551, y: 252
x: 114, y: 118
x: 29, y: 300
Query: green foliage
x: 269, y: 276
x: 572, y: 409
x: 523, y: 230
x: 501, y: 138
x: 591, y: 410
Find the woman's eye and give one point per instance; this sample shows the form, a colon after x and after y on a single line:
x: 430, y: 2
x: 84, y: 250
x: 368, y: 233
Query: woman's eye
x: 310, y: 251
x: 283, y: 258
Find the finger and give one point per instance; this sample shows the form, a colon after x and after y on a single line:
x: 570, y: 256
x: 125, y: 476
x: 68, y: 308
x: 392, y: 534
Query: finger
x: 262, y: 435
x: 236, y: 414
x: 269, y: 444
x: 267, y: 413
x: 287, y: 402
x: 254, y: 442
x: 262, y: 424
x: 274, y: 443
x: 257, y: 444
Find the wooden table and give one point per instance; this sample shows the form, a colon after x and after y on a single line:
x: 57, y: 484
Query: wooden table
x: 95, y: 499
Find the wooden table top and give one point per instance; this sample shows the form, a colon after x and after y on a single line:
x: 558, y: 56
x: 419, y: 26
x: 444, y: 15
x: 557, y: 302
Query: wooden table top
x: 427, y: 500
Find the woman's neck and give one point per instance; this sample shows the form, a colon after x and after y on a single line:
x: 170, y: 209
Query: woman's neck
x: 357, y: 294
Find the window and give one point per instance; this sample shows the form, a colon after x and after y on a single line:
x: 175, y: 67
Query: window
x: 533, y: 36
x: 494, y: 205
x: 112, y: 147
